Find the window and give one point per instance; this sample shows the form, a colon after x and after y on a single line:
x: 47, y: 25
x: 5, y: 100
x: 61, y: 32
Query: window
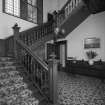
x: 25, y: 9
x: 32, y: 10
x: 12, y: 7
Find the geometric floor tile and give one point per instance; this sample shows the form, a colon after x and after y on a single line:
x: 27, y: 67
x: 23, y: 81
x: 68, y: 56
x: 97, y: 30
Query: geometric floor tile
x: 80, y: 90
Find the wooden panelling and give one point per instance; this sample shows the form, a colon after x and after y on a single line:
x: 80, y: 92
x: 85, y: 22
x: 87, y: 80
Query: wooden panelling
x: 9, y: 46
x: 2, y: 47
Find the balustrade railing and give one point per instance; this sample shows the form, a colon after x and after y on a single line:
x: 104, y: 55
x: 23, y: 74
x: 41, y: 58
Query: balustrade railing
x: 35, y: 68
x: 66, y: 10
x: 36, y: 33
x: 43, y: 76
x: 32, y: 35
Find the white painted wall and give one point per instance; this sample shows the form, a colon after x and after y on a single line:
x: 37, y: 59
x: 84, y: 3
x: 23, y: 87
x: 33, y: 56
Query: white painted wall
x: 93, y: 26
x: 7, y: 21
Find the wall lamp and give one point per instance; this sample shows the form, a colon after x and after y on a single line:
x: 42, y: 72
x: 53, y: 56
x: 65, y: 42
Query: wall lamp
x: 57, y: 32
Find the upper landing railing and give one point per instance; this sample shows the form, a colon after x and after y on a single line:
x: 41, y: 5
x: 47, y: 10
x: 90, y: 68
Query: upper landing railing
x: 30, y: 36
x: 39, y: 32
x: 67, y: 9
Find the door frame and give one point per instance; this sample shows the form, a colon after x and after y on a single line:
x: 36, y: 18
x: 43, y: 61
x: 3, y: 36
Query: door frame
x: 58, y: 43
x: 63, y: 42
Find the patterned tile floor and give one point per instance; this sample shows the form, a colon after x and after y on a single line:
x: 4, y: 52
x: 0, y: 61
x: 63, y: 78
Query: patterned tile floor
x: 13, y: 91
x: 80, y: 90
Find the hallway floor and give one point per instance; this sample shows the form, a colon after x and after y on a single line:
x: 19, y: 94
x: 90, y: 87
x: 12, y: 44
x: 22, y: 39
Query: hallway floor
x: 80, y: 90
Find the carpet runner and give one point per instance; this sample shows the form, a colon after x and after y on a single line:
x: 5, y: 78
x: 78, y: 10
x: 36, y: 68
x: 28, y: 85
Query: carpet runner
x: 13, y: 90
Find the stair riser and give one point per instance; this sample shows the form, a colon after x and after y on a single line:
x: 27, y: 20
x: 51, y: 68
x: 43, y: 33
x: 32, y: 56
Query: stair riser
x: 8, y: 67
x: 6, y: 59
x: 2, y: 64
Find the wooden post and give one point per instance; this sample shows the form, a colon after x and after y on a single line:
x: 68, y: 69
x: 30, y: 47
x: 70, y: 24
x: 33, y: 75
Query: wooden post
x: 16, y: 33
x: 53, y: 74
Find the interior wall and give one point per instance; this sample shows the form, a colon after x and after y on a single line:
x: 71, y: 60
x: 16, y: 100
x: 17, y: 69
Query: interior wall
x: 93, y: 26
x: 7, y: 22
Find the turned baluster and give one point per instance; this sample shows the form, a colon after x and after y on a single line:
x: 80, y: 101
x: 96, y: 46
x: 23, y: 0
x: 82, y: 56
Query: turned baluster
x: 29, y: 39
x: 25, y: 39
x: 33, y: 69
x: 35, y: 72
x: 41, y: 77
x: 32, y: 37
x: 37, y: 35
x: 42, y: 32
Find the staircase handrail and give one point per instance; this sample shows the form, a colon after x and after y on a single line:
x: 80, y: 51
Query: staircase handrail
x: 35, y: 68
x: 66, y: 10
x: 36, y: 27
x: 37, y: 58
x: 33, y: 34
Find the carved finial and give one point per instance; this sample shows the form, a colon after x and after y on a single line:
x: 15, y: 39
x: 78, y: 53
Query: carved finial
x: 16, y: 26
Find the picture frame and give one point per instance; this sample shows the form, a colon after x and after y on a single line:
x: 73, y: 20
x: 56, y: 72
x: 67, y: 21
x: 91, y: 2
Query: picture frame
x: 92, y: 43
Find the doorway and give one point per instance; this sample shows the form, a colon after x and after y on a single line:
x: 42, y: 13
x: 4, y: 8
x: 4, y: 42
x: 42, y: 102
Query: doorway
x: 60, y: 51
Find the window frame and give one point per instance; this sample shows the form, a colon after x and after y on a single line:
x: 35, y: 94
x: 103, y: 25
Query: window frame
x: 32, y: 7
x: 4, y: 11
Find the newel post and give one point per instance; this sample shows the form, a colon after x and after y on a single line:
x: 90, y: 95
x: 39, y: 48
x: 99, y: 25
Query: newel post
x: 16, y: 34
x: 53, y: 74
